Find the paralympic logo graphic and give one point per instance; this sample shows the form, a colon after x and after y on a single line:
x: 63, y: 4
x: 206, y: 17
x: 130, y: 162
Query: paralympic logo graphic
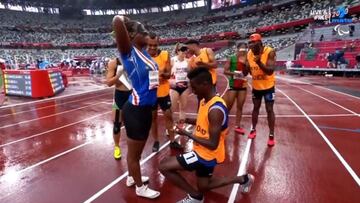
x: 339, y: 16
x: 340, y: 31
x: 333, y: 15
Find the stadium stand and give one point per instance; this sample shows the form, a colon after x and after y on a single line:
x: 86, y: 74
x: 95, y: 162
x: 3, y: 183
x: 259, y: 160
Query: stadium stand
x: 26, y: 37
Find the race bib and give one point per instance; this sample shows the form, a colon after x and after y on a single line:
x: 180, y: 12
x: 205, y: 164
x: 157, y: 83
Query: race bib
x: 153, y: 79
x: 190, y: 157
x: 181, y: 77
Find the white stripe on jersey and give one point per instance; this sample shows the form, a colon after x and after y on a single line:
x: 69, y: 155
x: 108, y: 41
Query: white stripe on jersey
x: 147, y: 61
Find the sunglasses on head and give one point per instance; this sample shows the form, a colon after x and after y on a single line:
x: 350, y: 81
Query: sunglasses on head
x: 183, y: 49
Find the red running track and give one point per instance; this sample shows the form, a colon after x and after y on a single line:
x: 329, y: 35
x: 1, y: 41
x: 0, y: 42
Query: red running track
x: 60, y: 150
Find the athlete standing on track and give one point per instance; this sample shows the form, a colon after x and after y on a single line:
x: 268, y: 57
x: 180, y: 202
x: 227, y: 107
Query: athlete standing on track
x: 262, y: 64
x: 121, y: 95
x: 137, y: 111
x: 162, y: 58
x: 209, y: 144
x: 237, y: 83
x: 180, y: 92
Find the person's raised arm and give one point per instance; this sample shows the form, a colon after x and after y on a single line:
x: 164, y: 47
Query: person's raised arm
x: 121, y: 34
x: 167, y: 72
x: 212, y: 64
x: 269, y: 67
x: 212, y: 61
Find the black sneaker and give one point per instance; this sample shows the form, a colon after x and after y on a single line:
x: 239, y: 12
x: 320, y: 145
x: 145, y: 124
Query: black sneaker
x: 175, y: 145
x: 156, y: 146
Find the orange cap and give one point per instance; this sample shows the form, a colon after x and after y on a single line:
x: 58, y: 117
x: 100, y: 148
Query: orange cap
x: 255, y: 37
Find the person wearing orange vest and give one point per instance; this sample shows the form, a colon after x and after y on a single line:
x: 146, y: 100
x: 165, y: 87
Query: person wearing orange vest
x: 211, y: 128
x: 261, y: 61
x: 202, y: 57
x: 162, y: 58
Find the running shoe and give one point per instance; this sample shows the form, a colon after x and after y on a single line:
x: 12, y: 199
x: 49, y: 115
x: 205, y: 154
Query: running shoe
x: 131, y: 182
x: 156, y: 146
x: 246, y: 187
x: 239, y: 130
x: 252, y: 134
x: 117, y: 153
x: 189, y: 199
x: 271, y: 141
x: 145, y: 191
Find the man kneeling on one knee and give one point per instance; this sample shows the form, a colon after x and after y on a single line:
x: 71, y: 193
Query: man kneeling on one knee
x: 209, y: 144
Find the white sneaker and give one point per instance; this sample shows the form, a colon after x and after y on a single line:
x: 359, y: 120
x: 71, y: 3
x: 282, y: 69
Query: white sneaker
x: 246, y: 187
x: 146, y: 192
x: 189, y: 199
x: 131, y: 182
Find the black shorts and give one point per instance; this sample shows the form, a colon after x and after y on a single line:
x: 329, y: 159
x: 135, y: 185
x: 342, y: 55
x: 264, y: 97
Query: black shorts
x: 192, y: 162
x: 120, y: 98
x: 180, y: 90
x: 163, y: 102
x: 269, y: 94
x: 137, y: 121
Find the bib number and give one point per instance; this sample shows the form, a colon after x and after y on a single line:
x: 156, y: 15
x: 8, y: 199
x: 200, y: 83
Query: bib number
x: 181, y: 77
x: 153, y: 79
x: 190, y: 157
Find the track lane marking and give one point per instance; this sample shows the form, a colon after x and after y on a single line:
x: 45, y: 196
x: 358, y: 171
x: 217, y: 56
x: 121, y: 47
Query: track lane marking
x: 48, y: 116
x: 55, y: 129
x: 327, y: 141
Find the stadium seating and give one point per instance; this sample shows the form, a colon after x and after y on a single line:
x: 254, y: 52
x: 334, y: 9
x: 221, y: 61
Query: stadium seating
x: 27, y: 37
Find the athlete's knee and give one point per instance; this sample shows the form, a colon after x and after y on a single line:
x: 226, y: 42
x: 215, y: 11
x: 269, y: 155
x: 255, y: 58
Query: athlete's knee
x: 168, y: 114
x: 202, y: 187
x: 240, y: 105
x: 164, y: 166
x: 269, y: 111
x: 269, y: 108
x: 256, y: 110
x: 116, y: 127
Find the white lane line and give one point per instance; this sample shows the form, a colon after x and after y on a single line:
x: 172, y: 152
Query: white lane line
x: 349, y: 95
x: 51, y: 115
x: 300, y: 82
x: 241, y: 171
x: 45, y: 107
x: 227, y: 85
x: 334, y: 103
x: 44, y: 161
x: 53, y: 98
x: 117, y: 180
x: 55, y: 129
x: 336, y: 152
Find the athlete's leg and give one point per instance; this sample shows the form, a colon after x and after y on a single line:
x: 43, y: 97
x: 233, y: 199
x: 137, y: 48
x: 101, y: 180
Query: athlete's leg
x: 229, y: 98
x: 174, y: 95
x: 183, y: 102
x: 255, y: 114
x: 170, y: 168
x: 154, y: 130
x: 241, y: 97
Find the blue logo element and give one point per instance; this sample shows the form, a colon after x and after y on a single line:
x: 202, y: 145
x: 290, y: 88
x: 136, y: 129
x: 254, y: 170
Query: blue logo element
x: 342, y: 11
x: 339, y: 16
